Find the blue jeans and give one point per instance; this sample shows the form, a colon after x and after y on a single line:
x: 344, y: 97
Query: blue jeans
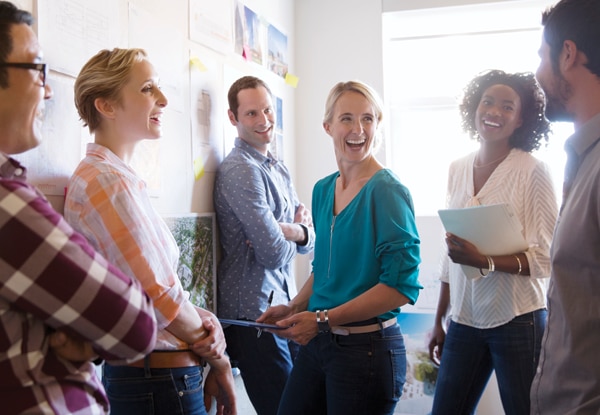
x: 345, y: 375
x: 265, y: 364
x: 139, y: 391
x: 470, y: 355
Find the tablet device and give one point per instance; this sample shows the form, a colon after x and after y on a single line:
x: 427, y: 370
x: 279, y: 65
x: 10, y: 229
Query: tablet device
x: 249, y: 323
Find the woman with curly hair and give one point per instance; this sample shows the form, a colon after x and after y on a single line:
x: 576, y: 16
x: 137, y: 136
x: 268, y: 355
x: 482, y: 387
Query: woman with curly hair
x: 496, y: 320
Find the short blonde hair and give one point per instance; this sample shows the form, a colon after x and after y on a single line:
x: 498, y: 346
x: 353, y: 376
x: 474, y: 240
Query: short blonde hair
x: 365, y: 90
x: 103, y: 76
x: 354, y: 86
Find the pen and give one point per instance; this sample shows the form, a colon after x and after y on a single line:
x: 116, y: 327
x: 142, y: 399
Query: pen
x: 269, y: 301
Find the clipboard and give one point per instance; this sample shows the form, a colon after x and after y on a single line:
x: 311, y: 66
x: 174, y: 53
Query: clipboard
x: 493, y: 229
x: 249, y: 323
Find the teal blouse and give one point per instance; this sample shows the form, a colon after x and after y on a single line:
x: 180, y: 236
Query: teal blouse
x: 373, y: 240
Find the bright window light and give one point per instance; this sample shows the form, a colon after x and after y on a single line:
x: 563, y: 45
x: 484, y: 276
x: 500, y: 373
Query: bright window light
x: 429, y: 57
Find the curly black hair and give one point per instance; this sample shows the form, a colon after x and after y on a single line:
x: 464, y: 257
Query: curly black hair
x: 535, y: 126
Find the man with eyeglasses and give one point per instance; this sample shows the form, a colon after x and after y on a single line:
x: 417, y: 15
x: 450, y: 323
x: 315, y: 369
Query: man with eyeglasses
x: 61, y: 304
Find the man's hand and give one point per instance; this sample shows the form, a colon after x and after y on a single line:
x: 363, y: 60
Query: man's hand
x: 219, y: 384
x: 303, y: 216
x: 212, y: 346
x: 71, y: 348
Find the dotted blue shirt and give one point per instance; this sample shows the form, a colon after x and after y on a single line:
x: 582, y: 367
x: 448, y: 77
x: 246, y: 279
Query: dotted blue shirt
x: 252, y: 194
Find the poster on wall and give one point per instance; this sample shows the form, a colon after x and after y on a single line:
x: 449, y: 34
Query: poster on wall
x: 72, y: 31
x: 210, y: 24
x: 207, y: 110
x: 165, y: 49
x: 249, y: 38
x: 421, y: 373
x: 195, y: 235
x: 276, y: 146
x: 277, y: 51
x: 51, y: 164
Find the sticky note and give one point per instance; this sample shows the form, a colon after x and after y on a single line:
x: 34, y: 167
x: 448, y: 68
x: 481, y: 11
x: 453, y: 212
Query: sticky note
x: 291, y: 80
x: 198, y: 168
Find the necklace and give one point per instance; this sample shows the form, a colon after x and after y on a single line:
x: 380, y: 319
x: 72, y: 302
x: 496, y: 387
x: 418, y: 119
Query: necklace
x: 490, y: 163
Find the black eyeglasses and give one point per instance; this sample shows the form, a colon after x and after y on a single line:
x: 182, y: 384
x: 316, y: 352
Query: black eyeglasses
x: 42, y: 67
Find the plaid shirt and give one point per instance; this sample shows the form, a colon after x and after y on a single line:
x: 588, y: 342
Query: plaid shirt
x: 109, y: 204
x: 51, y: 278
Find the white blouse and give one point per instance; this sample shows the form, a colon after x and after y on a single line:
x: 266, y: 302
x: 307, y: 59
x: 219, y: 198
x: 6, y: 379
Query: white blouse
x: 525, y: 183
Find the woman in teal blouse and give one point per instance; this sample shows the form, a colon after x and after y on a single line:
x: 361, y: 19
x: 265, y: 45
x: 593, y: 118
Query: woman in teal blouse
x: 353, y: 359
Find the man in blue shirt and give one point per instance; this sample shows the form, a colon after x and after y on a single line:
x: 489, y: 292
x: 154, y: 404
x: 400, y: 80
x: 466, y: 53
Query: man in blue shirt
x: 262, y: 227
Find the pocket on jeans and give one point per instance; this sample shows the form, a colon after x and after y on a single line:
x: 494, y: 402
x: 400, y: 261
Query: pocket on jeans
x: 124, y: 404
x: 189, y: 383
x: 398, y: 363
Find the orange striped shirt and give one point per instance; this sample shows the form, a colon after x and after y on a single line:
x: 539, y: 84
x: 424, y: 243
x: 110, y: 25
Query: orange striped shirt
x: 109, y: 204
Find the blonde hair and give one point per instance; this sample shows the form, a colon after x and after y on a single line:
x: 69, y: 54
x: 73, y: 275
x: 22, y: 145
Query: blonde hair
x: 103, y: 76
x: 365, y: 90
x: 355, y: 86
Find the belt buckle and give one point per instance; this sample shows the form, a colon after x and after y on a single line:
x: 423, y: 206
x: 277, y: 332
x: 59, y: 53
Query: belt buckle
x: 340, y: 331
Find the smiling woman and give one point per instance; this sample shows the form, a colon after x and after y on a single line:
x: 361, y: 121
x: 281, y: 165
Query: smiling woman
x: 118, y: 98
x: 423, y: 98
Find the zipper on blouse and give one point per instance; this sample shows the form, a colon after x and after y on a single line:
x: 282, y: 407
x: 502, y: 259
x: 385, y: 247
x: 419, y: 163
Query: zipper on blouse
x: 330, y: 244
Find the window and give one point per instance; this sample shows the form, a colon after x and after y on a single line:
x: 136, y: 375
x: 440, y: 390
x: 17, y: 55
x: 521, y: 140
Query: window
x: 429, y: 56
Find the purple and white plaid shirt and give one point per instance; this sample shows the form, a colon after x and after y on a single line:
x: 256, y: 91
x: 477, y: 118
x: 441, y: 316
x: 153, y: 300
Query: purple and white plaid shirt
x: 51, y: 278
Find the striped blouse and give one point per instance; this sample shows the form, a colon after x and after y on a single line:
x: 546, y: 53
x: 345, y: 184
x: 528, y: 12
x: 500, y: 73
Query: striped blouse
x: 525, y: 183
x: 109, y: 204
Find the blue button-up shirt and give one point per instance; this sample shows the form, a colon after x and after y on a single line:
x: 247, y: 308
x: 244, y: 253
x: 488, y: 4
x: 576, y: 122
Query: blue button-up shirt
x: 252, y: 195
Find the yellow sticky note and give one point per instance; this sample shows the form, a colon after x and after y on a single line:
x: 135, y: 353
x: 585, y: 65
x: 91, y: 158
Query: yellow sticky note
x: 198, y: 168
x: 291, y: 80
x: 195, y: 62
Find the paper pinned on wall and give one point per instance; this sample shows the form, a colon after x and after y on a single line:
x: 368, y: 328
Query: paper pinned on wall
x: 493, y: 229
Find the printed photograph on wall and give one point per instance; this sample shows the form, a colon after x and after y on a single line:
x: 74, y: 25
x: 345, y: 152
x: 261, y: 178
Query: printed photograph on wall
x: 248, y: 34
x: 421, y: 373
x: 195, y: 235
x: 277, y: 51
x: 276, y: 147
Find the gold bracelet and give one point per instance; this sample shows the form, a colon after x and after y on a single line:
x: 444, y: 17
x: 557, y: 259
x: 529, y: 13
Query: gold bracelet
x: 519, y: 262
x: 491, y: 266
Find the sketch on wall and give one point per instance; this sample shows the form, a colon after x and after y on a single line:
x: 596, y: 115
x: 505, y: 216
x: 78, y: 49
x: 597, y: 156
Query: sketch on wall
x: 51, y: 164
x: 207, y: 110
x: 195, y: 235
x: 210, y: 24
x: 72, y: 31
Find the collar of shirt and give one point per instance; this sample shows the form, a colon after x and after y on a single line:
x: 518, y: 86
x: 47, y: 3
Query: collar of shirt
x: 11, y: 169
x: 584, y: 137
x: 268, y: 160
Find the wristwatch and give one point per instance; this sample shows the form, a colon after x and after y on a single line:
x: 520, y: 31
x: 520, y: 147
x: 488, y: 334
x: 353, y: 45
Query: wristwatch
x: 323, y: 321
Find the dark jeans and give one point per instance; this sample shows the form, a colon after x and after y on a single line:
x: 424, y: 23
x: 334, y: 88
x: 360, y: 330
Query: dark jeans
x: 265, y: 364
x: 137, y: 391
x: 470, y: 355
x: 346, y: 375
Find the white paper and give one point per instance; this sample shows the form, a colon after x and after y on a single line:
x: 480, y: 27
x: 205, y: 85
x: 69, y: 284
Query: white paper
x: 493, y: 229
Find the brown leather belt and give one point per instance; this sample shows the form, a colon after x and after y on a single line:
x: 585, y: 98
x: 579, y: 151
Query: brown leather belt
x: 167, y: 359
x: 347, y: 330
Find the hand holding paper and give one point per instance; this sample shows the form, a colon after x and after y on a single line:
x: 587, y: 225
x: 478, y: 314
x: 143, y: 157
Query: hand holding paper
x: 493, y: 229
